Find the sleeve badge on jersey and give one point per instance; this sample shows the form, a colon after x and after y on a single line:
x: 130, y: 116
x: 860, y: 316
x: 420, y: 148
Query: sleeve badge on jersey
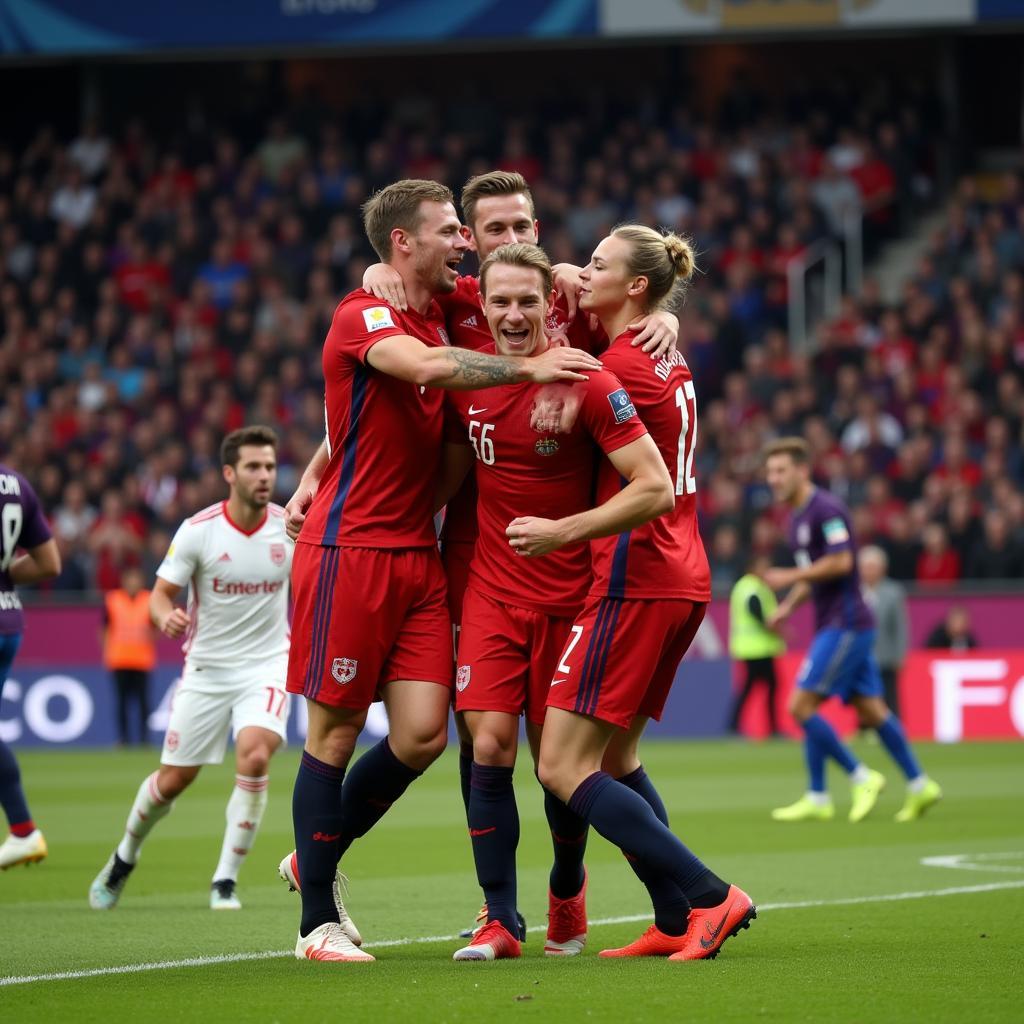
x: 621, y: 405
x: 377, y: 318
x: 277, y: 554
x: 344, y: 669
x: 835, y: 531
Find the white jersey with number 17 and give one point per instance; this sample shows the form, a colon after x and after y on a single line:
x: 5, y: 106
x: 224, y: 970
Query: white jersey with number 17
x: 237, y: 587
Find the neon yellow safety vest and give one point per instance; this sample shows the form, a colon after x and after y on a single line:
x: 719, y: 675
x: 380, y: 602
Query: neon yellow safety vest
x: 749, y: 638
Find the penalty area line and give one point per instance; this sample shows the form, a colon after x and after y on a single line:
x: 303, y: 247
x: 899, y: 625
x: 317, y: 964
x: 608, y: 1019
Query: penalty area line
x: 233, y: 958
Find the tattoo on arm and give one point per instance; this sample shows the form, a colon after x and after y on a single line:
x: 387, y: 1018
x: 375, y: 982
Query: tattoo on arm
x: 477, y: 369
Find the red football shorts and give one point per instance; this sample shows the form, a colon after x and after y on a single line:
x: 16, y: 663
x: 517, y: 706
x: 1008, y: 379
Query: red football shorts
x: 506, y: 657
x: 364, y: 617
x: 621, y: 657
x: 455, y: 557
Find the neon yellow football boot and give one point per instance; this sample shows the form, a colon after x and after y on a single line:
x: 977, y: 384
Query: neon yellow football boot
x: 865, y: 795
x: 805, y: 809
x: 917, y: 803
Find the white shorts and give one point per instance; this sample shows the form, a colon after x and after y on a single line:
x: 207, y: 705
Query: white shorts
x: 207, y: 701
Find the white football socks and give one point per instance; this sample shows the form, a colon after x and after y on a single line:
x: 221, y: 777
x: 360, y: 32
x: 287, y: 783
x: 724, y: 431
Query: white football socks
x: 244, y: 813
x: 149, y: 807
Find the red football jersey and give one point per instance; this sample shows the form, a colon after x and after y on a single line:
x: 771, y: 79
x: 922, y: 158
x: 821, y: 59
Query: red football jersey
x: 664, y: 558
x: 384, y: 434
x: 522, y: 472
x: 467, y: 328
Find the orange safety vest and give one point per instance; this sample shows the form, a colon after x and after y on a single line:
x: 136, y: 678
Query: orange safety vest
x: 129, y: 642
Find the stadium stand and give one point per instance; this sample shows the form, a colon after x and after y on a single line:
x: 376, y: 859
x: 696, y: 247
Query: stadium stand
x: 154, y: 295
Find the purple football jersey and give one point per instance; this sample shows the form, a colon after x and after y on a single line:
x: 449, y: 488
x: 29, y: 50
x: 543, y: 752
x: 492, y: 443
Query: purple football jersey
x: 822, y: 527
x: 21, y: 526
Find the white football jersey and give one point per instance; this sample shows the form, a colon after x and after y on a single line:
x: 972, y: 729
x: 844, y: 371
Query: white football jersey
x: 237, y: 587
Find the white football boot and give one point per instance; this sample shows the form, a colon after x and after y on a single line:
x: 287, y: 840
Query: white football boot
x: 329, y: 942
x: 17, y: 850
x: 288, y: 869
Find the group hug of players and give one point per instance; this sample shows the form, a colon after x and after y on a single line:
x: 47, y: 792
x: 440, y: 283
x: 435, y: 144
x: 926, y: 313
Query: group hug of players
x: 560, y: 443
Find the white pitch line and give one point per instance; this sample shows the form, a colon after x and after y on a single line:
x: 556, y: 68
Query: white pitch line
x: 230, y: 958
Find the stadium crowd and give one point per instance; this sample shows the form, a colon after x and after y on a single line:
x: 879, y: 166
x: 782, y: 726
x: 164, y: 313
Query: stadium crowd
x: 155, y: 295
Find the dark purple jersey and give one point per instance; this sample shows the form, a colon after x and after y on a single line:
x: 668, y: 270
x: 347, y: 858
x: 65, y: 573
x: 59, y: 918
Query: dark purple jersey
x: 822, y: 527
x: 21, y: 526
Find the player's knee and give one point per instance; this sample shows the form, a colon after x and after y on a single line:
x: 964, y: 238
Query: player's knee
x: 173, y: 780
x: 421, y: 748
x: 493, y: 748
x: 553, y: 778
x: 801, y: 706
x: 255, y: 763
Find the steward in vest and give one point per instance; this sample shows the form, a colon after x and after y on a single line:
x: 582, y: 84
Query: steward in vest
x: 751, y: 643
x: 129, y: 650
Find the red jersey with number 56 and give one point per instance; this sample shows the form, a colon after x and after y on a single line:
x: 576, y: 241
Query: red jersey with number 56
x: 525, y: 472
x: 665, y: 558
x: 384, y: 434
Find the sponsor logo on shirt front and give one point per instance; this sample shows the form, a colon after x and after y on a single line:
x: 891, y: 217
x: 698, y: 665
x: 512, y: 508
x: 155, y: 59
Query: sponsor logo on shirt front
x: 344, y: 669
x: 621, y: 405
x: 377, y: 318
x: 803, y: 534
x: 246, y: 589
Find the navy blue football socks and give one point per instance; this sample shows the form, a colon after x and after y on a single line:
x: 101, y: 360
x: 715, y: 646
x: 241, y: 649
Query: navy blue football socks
x: 316, y: 815
x: 494, y: 830
x: 669, y: 901
x: 626, y: 819
x: 821, y: 741
x: 12, y: 796
x: 891, y: 733
x: 569, y: 844
x: 372, y: 785
x: 465, y: 772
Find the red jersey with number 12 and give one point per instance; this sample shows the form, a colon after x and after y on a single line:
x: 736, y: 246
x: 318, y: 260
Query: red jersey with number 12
x: 664, y: 558
x: 384, y: 434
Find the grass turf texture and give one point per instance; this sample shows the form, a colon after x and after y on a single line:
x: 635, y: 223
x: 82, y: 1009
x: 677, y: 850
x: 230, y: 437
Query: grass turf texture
x: 937, y: 958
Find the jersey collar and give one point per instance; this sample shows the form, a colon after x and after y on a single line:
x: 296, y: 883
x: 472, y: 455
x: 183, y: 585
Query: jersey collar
x: 242, y: 529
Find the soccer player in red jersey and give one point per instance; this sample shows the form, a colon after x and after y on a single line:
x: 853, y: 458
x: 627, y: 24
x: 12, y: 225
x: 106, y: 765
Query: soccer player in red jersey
x: 370, y: 619
x: 650, y: 591
x: 518, y: 613
x: 497, y: 208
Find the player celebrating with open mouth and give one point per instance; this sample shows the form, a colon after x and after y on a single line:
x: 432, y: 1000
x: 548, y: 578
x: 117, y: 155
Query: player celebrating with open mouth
x: 649, y: 594
x: 518, y: 613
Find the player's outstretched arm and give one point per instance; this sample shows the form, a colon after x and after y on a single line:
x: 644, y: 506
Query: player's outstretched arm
x: 384, y: 282
x: 459, y: 369
x: 299, y: 502
x: 829, y: 567
x: 659, y: 333
x: 37, y: 564
x: 648, y: 494
x: 171, y: 620
x: 798, y: 593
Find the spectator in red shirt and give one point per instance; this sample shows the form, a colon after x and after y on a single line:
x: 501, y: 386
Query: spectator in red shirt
x: 938, y: 563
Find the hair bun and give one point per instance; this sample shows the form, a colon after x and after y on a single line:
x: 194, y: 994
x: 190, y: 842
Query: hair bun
x: 680, y: 252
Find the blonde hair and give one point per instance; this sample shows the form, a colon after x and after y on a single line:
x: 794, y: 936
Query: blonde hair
x: 519, y: 254
x: 493, y: 183
x: 665, y: 259
x: 398, y: 206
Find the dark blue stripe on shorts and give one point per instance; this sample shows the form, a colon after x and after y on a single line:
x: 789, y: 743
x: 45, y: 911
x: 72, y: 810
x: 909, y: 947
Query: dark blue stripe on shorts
x: 334, y: 558
x: 595, y: 652
x: 606, y: 646
x: 324, y: 593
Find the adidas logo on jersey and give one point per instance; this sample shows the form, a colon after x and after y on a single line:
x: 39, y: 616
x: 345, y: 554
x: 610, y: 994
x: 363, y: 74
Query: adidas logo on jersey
x: 224, y: 558
x: 470, y: 321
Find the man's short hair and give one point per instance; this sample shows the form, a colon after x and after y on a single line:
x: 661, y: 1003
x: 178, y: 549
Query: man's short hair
x: 398, y: 206
x: 493, y: 183
x: 519, y: 254
x: 795, y: 447
x: 231, y: 446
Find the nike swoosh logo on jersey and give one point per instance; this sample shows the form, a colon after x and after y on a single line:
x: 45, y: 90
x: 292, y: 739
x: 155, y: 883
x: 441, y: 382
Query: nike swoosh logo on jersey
x: 555, y: 682
x: 476, y: 412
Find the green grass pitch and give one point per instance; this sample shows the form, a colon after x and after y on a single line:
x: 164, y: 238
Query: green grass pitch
x: 825, y: 946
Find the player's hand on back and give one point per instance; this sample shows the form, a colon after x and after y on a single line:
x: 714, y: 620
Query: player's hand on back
x: 567, y: 284
x: 530, y: 536
x: 659, y: 333
x: 561, y: 364
x: 385, y: 283
x: 175, y: 624
x: 555, y: 408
